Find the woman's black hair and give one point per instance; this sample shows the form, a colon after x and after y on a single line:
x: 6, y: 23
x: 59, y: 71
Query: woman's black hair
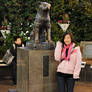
x: 66, y: 33
x: 16, y: 37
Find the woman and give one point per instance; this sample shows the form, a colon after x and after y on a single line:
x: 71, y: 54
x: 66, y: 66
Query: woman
x: 13, y: 50
x: 69, y: 57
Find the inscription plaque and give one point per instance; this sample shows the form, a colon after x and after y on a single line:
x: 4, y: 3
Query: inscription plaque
x: 45, y: 66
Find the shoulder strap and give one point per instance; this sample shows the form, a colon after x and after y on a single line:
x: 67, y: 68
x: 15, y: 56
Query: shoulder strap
x: 14, y: 46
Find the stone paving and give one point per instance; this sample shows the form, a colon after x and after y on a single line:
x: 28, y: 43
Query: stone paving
x: 5, y: 85
x: 83, y: 87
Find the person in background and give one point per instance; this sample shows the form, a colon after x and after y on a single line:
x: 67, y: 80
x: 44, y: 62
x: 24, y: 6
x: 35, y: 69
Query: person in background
x: 13, y: 50
x: 69, y: 58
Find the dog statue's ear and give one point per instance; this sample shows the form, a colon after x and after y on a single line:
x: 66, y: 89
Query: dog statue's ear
x: 38, y: 3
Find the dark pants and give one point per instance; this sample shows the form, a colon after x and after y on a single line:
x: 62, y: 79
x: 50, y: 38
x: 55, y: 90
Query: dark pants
x: 13, y: 71
x: 65, y: 84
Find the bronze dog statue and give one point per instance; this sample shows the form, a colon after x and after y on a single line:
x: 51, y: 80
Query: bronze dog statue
x: 42, y: 27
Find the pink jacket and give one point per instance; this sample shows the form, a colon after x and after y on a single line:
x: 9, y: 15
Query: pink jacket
x: 73, y: 66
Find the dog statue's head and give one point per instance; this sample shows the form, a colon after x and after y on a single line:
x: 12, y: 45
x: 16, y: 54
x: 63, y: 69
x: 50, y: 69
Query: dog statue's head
x: 44, y: 6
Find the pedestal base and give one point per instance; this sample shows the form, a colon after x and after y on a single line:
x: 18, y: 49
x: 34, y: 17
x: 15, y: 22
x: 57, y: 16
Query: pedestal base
x: 40, y: 46
x: 36, y: 71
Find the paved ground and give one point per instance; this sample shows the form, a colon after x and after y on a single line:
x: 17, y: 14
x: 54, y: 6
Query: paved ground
x: 83, y: 87
x: 5, y: 85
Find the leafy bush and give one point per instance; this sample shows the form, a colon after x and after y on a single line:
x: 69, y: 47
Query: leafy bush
x: 2, y: 51
x: 21, y: 14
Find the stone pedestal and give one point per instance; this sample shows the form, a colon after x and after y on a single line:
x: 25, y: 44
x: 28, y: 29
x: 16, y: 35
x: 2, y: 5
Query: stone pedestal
x: 36, y: 71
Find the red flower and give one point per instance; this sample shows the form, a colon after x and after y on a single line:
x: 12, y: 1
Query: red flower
x: 65, y: 21
x: 0, y: 27
x: 29, y: 18
x: 4, y: 27
x: 60, y: 21
x: 16, y: 2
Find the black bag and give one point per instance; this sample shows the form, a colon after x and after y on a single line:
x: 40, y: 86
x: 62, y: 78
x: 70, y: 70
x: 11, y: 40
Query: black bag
x: 8, y: 57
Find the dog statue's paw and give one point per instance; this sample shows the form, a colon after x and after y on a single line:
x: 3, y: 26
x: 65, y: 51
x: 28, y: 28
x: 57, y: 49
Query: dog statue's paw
x: 36, y: 41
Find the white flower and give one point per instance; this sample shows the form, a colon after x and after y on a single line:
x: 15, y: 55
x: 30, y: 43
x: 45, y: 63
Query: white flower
x: 24, y: 34
x: 20, y: 28
x: 9, y: 23
x: 27, y: 23
x: 28, y: 38
x: 27, y: 31
x: 30, y: 25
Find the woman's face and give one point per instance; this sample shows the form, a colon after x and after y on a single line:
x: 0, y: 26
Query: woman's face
x: 18, y: 41
x: 67, y: 39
